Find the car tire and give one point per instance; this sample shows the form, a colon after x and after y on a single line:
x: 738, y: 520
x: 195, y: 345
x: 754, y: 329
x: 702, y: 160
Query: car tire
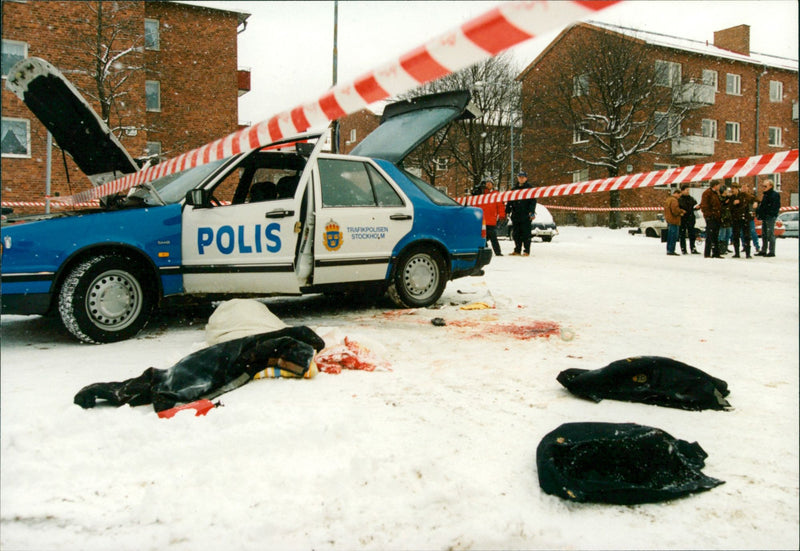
x: 650, y: 232
x: 105, y: 299
x: 547, y: 238
x: 420, y: 278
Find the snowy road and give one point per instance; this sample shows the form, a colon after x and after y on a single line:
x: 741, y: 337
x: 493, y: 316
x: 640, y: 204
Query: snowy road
x: 439, y: 451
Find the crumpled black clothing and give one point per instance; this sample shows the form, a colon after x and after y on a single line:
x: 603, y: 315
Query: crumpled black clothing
x: 619, y: 463
x: 649, y: 380
x: 211, y: 371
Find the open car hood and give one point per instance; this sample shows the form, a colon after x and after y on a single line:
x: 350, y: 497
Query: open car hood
x: 406, y: 124
x: 76, y: 127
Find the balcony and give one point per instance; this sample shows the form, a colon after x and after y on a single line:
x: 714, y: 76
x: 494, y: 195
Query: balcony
x: 692, y: 147
x: 243, y: 80
x: 695, y: 95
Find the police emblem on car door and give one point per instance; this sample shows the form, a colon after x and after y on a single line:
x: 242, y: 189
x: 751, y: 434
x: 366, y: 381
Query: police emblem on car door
x: 361, y: 217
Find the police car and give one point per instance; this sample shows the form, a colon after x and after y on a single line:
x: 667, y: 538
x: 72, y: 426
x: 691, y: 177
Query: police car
x: 286, y: 219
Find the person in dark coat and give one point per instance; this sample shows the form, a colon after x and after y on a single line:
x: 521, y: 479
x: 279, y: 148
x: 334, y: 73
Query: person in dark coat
x: 711, y: 206
x: 726, y: 221
x: 742, y: 214
x: 687, y: 229
x: 521, y: 212
x: 767, y: 212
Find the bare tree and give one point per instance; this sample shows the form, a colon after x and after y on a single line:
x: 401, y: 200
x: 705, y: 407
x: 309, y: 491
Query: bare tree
x: 481, y: 147
x: 606, y: 101
x: 112, y: 45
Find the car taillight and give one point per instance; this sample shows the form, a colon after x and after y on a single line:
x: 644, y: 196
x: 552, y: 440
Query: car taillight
x: 483, y: 226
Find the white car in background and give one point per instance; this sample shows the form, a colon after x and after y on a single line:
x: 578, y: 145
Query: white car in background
x: 789, y: 220
x: 653, y: 228
x: 542, y: 226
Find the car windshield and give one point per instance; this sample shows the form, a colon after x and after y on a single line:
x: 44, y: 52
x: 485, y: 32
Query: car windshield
x: 173, y: 187
x: 431, y: 192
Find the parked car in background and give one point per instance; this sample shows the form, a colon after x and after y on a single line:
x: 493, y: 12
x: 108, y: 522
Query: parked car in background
x: 543, y: 226
x: 789, y: 221
x: 653, y: 228
x: 779, y: 227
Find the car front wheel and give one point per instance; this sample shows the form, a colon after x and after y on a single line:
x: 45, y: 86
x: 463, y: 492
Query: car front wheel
x: 105, y: 299
x: 419, y: 280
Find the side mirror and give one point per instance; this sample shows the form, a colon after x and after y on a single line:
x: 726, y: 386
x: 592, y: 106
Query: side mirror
x: 198, y: 198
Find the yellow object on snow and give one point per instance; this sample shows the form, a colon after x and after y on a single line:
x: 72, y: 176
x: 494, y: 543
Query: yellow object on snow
x: 476, y: 306
x: 277, y: 373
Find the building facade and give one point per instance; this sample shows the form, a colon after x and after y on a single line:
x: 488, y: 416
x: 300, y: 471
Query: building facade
x: 743, y: 104
x: 178, y: 88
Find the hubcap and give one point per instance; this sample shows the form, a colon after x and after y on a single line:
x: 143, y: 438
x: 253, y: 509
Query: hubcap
x: 114, y: 300
x: 421, y: 276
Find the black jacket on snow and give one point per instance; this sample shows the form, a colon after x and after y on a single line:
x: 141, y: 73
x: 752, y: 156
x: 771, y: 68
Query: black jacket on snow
x: 211, y: 371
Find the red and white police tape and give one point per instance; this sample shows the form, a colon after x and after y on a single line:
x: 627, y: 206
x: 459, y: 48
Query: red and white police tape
x: 758, y: 165
x: 482, y: 37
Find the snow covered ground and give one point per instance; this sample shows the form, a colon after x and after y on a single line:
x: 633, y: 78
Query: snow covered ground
x: 439, y: 451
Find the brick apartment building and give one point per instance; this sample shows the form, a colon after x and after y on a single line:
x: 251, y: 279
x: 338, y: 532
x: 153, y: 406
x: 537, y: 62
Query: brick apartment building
x: 747, y: 106
x: 182, y: 94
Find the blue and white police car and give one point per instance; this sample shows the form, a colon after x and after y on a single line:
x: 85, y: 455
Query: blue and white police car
x: 286, y: 219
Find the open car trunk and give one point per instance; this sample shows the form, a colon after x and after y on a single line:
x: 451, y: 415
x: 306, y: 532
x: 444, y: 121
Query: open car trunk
x: 406, y: 124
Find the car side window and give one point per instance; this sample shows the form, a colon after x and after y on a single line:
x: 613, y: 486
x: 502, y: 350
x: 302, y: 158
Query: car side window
x: 384, y: 192
x: 345, y: 184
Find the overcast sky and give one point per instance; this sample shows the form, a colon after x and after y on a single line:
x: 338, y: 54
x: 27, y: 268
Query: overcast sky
x: 288, y: 45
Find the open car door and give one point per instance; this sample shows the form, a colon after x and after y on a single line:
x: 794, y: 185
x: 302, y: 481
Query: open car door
x: 247, y: 240
x: 76, y: 127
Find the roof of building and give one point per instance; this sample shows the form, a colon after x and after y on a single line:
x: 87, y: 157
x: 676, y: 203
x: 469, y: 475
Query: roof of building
x: 677, y: 43
x: 243, y: 16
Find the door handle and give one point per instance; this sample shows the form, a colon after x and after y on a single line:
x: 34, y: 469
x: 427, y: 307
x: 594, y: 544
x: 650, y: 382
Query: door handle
x: 400, y: 217
x: 279, y: 213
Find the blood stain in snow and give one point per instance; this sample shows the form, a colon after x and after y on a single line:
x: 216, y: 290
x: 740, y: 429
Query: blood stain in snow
x: 523, y: 330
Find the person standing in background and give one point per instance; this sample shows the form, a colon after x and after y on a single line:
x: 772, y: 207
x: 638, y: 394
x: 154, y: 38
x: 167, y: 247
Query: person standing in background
x: 688, y: 204
x: 767, y: 212
x: 672, y: 214
x: 741, y: 208
x: 711, y: 206
x: 491, y: 215
x: 521, y: 212
x: 752, y: 223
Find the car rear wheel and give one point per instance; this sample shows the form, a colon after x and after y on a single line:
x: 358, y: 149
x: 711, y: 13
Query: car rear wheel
x: 105, y: 299
x: 419, y: 279
x: 650, y: 232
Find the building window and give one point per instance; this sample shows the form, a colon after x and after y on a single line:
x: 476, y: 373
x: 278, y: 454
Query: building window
x: 776, y: 179
x: 13, y: 51
x: 733, y: 84
x: 16, y: 137
x: 152, y: 92
x: 775, y: 90
x: 709, y: 128
x: 668, y: 73
x: 710, y: 78
x: 663, y: 166
x: 732, y: 132
x: 580, y: 85
x: 153, y: 150
x: 666, y: 125
x: 775, y: 136
x: 581, y: 175
x: 441, y: 163
x: 579, y: 135
x: 151, y: 36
